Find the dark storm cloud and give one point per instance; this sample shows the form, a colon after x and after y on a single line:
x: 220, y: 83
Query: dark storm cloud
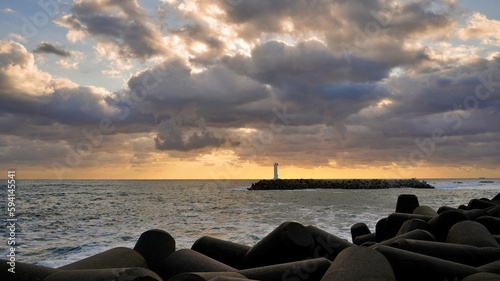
x: 48, y: 48
x: 310, y: 61
x: 129, y: 32
x: 177, y: 89
x: 315, y: 82
x: 320, y: 87
x: 183, y: 100
x: 170, y: 137
x: 448, y: 116
x: 448, y: 89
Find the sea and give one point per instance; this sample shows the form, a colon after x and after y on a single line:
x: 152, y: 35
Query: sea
x: 60, y: 222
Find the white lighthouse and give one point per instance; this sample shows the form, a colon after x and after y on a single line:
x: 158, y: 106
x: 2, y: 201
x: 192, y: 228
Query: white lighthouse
x: 275, y: 171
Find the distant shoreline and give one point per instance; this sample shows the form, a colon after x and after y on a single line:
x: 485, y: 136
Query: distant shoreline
x: 294, y: 184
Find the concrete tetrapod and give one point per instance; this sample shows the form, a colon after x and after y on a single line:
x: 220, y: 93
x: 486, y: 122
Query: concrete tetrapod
x: 471, y: 233
x: 491, y: 223
x: 441, y: 224
x: 204, y: 276
x: 370, y: 238
x: 305, y: 270
x: 464, y: 254
x: 425, y: 210
x: 494, y: 212
x: 289, y: 242
x: 380, y: 233
x: 359, y: 263
x: 359, y: 229
x: 411, y: 266
x: 224, y: 251
x: 107, y: 274
x: 24, y: 271
x: 417, y: 234
x: 155, y: 245
x: 396, y: 220
x: 480, y: 204
x: 492, y: 267
x: 413, y: 224
x: 406, y: 203
x: 326, y: 244
x: 230, y: 278
x: 482, y: 276
x: 120, y: 257
x: 187, y: 260
x: 475, y: 213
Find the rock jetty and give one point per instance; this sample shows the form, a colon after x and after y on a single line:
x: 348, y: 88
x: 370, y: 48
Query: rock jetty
x: 413, y: 243
x: 291, y: 184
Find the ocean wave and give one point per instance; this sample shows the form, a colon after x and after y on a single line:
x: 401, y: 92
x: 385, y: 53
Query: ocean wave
x: 95, y: 216
x: 64, y: 250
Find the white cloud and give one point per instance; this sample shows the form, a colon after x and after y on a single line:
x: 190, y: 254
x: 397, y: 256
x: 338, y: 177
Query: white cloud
x: 480, y: 27
x: 18, y: 72
x: 18, y: 37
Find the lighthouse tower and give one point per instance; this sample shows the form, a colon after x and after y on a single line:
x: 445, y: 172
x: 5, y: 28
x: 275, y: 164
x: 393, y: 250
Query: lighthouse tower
x: 275, y: 171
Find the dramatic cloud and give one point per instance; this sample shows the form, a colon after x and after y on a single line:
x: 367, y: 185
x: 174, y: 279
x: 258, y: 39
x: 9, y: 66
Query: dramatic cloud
x: 334, y: 84
x: 378, y: 29
x: 48, y: 48
x: 280, y: 95
x: 27, y: 91
x: 170, y: 137
x: 49, y: 121
x: 309, y: 78
x: 120, y: 27
x: 433, y: 117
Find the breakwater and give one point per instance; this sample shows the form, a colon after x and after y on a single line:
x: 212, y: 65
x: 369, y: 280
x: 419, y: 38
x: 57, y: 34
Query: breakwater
x: 292, y: 184
x: 415, y: 242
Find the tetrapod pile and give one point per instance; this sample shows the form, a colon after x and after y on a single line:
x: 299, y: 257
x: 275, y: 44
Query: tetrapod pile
x: 413, y: 243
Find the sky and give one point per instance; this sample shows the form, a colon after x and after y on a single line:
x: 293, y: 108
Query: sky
x: 171, y: 89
